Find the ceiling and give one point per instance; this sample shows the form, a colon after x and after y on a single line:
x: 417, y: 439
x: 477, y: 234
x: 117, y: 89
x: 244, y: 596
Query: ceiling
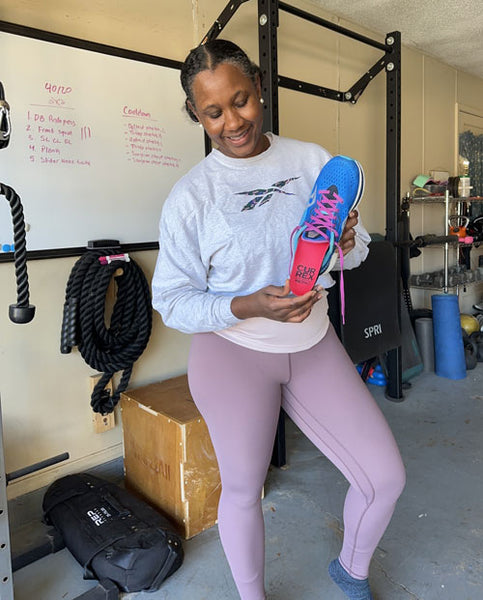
x: 449, y: 30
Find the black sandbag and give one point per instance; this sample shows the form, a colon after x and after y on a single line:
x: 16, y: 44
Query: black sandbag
x: 112, y: 533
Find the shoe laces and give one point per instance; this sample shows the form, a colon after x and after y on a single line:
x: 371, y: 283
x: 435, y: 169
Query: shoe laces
x: 324, y: 215
x: 323, y: 223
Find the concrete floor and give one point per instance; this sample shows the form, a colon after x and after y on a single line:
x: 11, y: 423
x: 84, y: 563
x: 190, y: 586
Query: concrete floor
x: 432, y: 549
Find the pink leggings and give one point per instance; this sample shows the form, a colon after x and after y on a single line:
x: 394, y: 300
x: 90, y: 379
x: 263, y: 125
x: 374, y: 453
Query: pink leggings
x: 239, y: 392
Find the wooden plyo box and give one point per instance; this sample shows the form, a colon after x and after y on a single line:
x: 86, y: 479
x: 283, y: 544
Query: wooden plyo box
x: 168, y: 455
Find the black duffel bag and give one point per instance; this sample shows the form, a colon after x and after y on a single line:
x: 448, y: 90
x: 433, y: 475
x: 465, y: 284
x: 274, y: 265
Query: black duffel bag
x: 113, y: 534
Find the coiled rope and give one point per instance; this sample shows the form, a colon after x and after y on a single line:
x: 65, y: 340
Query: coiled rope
x: 106, y: 349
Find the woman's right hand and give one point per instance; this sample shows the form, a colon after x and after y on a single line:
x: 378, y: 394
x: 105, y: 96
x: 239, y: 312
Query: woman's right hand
x: 276, y: 303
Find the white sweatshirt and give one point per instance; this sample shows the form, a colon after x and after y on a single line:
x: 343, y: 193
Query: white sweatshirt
x: 225, y: 231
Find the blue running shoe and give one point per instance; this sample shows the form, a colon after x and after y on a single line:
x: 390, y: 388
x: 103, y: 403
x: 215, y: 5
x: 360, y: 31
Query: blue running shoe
x: 336, y: 192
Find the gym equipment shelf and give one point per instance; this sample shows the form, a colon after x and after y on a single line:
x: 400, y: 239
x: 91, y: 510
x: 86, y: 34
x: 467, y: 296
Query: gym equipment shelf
x: 441, y: 199
x: 421, y: 286
x: 448, y: 201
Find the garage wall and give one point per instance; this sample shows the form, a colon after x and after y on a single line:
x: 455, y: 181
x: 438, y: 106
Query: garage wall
x: 45, y: 395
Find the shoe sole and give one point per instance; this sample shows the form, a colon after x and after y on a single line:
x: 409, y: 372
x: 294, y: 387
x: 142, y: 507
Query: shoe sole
x: 310, y: 254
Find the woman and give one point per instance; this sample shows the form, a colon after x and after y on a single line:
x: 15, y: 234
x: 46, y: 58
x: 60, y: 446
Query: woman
x: 221, y: 275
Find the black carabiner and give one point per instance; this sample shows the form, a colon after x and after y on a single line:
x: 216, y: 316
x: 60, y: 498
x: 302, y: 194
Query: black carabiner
x: 5, y: 126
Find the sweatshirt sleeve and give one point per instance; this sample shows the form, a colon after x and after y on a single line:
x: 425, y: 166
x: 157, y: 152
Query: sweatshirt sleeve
x: 179, y: 286
x: 352, y: 259
x: 359, y: 253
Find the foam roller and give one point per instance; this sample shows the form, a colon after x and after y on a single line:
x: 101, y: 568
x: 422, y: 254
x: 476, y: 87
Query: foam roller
x: 449, y: 353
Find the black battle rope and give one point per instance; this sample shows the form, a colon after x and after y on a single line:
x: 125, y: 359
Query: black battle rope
x: 22, y: 312
x: 113, y: 349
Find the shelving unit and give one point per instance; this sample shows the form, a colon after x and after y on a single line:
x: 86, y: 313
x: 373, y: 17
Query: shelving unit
x: 453, y: 206
x: 441, y: 200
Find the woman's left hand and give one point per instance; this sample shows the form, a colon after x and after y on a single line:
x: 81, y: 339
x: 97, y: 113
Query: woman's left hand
x: 347, y: 239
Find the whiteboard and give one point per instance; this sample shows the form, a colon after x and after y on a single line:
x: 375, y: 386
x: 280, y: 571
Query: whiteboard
x: 97, y: 143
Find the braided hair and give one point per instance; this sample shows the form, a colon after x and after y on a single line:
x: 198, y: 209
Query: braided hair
x: 207, y: 57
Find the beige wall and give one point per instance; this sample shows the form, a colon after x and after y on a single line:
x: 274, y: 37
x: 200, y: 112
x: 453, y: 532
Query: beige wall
x: 45, y: 395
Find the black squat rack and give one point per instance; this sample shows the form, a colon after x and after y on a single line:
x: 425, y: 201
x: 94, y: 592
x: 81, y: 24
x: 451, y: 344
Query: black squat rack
x: 268, y: 21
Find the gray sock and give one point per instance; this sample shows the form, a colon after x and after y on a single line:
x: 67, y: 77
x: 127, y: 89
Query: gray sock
x: 354, y: 589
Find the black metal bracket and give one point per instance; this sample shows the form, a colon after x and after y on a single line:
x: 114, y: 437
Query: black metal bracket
x: 352, y: 95
x: 268, y: 62
x: 394, y: 389
x: 355, y: 92
x: 222, y: 20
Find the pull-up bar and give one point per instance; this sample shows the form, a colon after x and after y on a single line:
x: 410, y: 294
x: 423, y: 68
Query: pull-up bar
x: 233, y: 6
x: 353, y: 93
x: 297, y: 12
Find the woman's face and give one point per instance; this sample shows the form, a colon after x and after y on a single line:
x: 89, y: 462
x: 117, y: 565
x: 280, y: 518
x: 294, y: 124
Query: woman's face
x: 227, y: 104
